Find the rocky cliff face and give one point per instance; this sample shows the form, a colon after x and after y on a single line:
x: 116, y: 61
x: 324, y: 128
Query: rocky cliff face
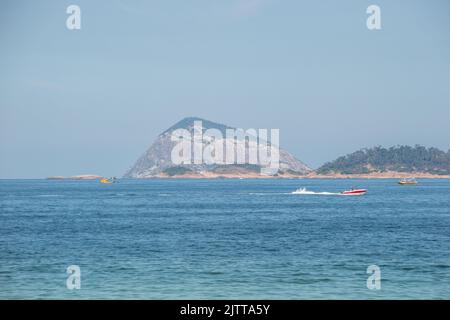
x: 157, y: 160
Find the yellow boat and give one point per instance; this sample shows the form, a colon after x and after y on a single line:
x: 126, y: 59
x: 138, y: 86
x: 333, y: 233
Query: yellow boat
x: 104, y: 180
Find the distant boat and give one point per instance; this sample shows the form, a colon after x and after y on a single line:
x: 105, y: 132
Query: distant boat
x: 408, y: 181
x: 105, y: 180
x: 354, y: 192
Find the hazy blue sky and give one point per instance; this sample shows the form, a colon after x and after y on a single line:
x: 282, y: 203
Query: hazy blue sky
x: 92, y: 100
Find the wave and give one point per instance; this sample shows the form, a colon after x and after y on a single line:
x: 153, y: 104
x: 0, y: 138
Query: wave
x: 303, y: 191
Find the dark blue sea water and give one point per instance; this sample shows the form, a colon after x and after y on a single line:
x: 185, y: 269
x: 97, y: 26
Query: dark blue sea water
x: 223, y: 239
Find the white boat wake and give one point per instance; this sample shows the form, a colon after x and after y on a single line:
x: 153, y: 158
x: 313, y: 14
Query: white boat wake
x: 303, y: 191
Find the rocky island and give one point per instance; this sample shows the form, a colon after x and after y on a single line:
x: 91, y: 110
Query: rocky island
x: 378, y: 162
x: 370, y: 163
x: 77, y: 177
x: 157, y: 162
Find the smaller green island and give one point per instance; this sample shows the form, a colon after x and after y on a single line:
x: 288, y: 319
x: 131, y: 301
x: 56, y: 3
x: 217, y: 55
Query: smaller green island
x: 400, y: 160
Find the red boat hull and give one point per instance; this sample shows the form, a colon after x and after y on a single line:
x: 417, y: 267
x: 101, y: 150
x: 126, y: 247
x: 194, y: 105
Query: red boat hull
x: 356, y: 192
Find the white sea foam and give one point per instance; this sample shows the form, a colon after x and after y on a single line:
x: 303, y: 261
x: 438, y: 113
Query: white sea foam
x: 303, y: 191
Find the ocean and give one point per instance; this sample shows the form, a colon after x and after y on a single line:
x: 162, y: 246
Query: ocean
x: 224, y: 239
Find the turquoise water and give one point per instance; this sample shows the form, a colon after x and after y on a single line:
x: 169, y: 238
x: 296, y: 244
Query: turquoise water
x: 223, y: 239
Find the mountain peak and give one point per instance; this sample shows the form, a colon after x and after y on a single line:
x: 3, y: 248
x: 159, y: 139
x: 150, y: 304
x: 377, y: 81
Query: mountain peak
x: 188, y: 122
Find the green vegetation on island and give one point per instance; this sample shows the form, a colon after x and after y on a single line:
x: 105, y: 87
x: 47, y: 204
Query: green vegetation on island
x: 175, y: 171
x: 399, y: 159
